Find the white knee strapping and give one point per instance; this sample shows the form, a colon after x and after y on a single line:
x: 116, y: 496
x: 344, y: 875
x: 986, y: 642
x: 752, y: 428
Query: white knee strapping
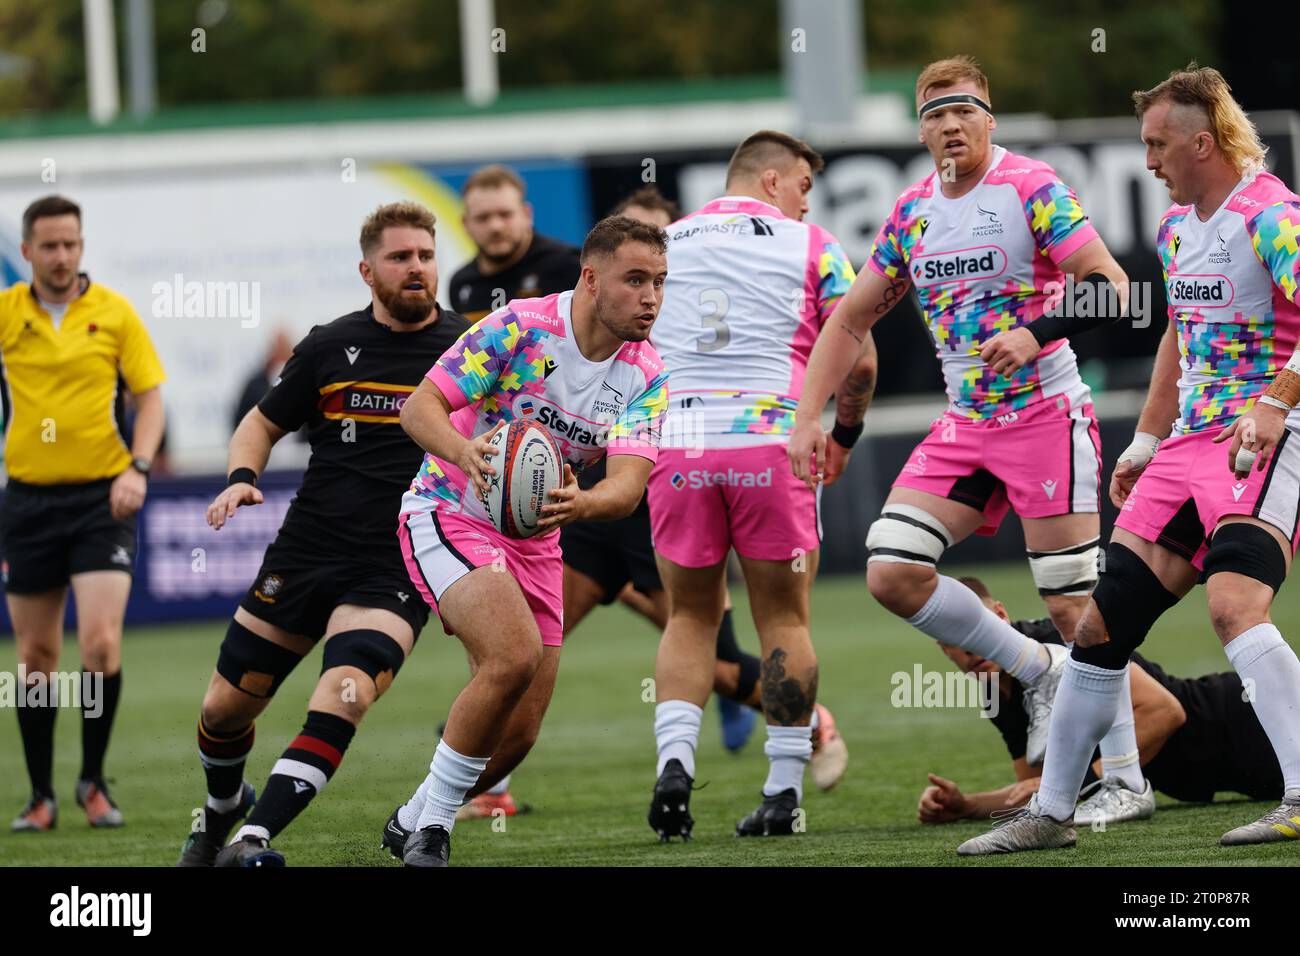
x: 906, y: 534
x: 1071, y: 571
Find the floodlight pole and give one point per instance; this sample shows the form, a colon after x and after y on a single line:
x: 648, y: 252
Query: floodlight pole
x: 477, y: 55
x: 139, y: 51
x: 822, y: 59
x: 101, y: 60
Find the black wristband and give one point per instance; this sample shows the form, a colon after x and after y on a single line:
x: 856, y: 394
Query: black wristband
x: 1068, y: 317
x: 846, y: 436
x: 242, y: 475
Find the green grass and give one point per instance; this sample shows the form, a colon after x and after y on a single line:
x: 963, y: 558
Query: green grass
x: 590, y: 776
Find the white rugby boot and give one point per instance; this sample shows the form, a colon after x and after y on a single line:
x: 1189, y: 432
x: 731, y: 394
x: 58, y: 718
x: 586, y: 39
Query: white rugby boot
x: 1039, y: 695
x: 1109, y: 800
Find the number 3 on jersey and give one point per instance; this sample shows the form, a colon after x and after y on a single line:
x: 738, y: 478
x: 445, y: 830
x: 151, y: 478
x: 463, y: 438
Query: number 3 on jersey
x: 714, y: 320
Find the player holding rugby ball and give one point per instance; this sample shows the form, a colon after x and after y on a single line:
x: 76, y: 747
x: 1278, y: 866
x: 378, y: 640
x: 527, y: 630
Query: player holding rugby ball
x: 580, y: 364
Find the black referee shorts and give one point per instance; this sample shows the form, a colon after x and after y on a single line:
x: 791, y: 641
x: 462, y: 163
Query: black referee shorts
x: 50, y: 532
x: 298, y: 587
x: 613, y: 553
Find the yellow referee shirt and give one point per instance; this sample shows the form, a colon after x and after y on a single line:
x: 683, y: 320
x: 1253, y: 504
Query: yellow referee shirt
x: 63, y: 383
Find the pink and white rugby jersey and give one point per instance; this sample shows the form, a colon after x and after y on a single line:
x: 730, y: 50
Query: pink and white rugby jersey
x: 1231, y: 284
x: 748, y: 290
x: 980, y: 265
x: 522, y: 362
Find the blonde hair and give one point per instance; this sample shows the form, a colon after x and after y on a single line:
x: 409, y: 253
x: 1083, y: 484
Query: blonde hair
x: 1205, y: 88
x: 948, y: 72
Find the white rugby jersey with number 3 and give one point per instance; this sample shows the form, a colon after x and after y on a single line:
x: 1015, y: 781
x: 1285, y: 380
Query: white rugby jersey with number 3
x: 748, y: 290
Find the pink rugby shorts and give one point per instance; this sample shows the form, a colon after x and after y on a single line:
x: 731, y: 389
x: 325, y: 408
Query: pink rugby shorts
x: 440, y: 548
x: 1187, y: 489
x: 702, y: 504
x: 1043, y: 460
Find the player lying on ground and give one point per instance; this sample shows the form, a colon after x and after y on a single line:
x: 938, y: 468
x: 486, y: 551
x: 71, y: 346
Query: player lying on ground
x: 1196, y: 736
x: 1226, y: 369
x: 985, y: 240
x: 334, y: 572
x: 749, y: 285
x: 568, y: 359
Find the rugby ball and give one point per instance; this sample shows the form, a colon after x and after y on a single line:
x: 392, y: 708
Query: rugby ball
x: 527, y: 467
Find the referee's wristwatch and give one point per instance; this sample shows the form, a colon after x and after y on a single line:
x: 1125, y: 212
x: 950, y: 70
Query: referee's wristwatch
x: 142, y: 465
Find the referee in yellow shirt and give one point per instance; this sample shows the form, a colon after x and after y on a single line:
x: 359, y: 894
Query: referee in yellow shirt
x: 68, y: 514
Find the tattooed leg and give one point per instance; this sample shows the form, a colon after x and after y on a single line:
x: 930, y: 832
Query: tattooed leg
x: 779, y: 597
x: 788, y: 699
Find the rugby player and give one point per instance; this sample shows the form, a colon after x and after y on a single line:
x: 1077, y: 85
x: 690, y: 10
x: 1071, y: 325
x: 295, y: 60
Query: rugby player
x: 602, y: 561
x: 1226, y: 371
x: 750, y: 283
x: 334, y: 574
x: 985, y: 240
x: 605, y: 561
x: 565, y: 359
x: 69, y: 510
x: 1196, y: 737
x: 615, y: 560
x: 512, y: 261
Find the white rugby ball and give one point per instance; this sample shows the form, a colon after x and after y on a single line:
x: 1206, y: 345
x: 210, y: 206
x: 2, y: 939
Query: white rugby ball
x: 528, y: 466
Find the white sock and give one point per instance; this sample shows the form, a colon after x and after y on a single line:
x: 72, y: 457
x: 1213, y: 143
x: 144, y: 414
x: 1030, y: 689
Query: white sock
x: 1119, y: 748
x: 262, y: 833
x: 1084, y: 710
x: 955, y: 615
x: 408, y: 815
x: 677, y: 732
x: 788, y: 749
x: 451, y: 775
x: 226, y: 804
x: 1269, y: 667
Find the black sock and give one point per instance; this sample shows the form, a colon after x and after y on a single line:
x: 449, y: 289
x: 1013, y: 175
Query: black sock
x: 751, y: 668
x: 223, y: 757
x: 96, y: 730
x: 36, y: 726
x: 729, y: 651
x: 302, y: 771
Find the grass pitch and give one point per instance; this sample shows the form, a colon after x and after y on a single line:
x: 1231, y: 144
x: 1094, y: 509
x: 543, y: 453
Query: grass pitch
x: 590, y: 776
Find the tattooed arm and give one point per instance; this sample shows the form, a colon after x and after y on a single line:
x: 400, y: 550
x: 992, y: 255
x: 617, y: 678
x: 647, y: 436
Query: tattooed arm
x: 854, y: 394
x: 851, y: 401
x: 839, y: 346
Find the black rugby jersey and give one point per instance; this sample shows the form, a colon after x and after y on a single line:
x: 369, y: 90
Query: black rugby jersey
x: 1221, y: 747
x: 345, y: 384
x: 546, y: 268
